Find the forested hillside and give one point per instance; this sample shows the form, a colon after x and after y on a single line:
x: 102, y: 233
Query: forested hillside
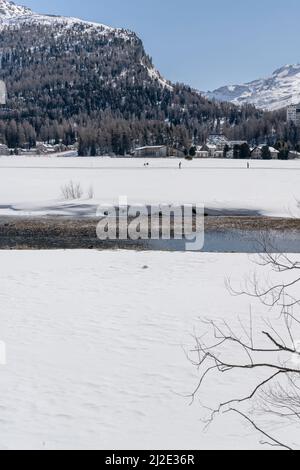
x: 71, y: 79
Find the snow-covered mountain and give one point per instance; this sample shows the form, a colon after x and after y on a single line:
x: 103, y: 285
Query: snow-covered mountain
x: 16, y: 16
x: 278, y: 91
x: 11, y: 10
x: 69, y: 78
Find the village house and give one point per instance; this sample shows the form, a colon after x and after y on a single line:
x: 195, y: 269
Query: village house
x: 206, y: 151
x: 201, y: 153
x: 274, y: 153
x: 219, y: 154
x: 44, y: 149
x: 215, y: 146
x: 4, y: 150
x: 293, y: 155
x: 159, y: 151
x: 219, y: 140
x: 211, y: 149
x: 256, y: 153
x: 216, y: 149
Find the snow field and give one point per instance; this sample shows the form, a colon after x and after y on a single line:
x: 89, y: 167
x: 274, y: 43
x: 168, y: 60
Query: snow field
x: 32, y: 186
x: 95, y: 349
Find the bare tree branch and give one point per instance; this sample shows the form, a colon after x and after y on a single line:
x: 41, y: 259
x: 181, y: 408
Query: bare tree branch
x: 278, y: 393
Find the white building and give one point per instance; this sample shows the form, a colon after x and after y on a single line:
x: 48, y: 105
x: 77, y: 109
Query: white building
x: 42, y: 148
x: 201, y: 153
x: 219, y: 140
x: 293, y: 155
x: 4, y: 150
x: 207, y: 151
x: 293, y: 114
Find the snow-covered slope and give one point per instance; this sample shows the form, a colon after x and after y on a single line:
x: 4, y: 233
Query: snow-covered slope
x: 278, y: 91
x: 16, y: 15
x: 12, y: 15
x: 11, y: 10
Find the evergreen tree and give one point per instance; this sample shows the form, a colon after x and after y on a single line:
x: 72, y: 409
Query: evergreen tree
x: 236, y: 152
x: 245, y: 152
x: 265, y: 153
x: 226, y: 150
x: 192, y: 151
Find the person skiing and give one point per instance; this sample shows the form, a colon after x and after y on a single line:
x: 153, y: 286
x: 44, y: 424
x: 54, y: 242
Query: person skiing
x: 180, y: 165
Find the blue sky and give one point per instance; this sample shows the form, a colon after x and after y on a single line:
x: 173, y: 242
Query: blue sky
x: 204, y: 43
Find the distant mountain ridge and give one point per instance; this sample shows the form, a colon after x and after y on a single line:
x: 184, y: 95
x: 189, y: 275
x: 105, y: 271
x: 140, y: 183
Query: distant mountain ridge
x: 278, y: 91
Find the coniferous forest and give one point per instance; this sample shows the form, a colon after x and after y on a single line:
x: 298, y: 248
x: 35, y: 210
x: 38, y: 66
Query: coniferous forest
x: 81, y: 83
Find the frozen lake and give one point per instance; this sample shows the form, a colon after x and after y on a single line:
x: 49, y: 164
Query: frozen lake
x: 32, y: 185
x: 95, y: 340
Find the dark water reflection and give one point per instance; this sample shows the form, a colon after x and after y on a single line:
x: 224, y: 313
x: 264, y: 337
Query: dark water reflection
x: 236, y: 241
